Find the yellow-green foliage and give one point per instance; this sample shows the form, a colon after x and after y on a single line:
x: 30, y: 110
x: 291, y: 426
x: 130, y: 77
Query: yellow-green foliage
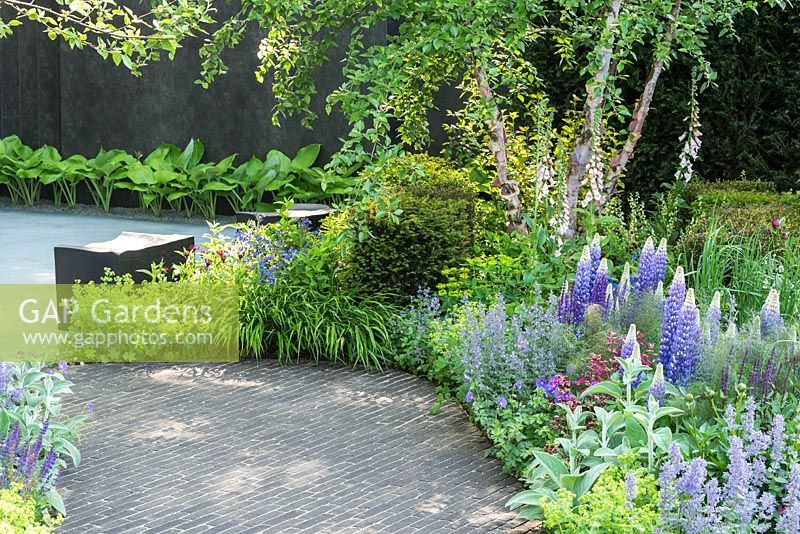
x: 434, y: 232
x: 18, y: 514
x: 605, y: 509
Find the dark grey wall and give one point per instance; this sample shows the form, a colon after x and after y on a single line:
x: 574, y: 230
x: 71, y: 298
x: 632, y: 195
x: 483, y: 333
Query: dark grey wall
x: 77, y: 102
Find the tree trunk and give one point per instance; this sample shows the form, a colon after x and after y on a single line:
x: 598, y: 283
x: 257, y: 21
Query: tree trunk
x: 620, y: 160
x: 580, y: 157
x: 509, y: 189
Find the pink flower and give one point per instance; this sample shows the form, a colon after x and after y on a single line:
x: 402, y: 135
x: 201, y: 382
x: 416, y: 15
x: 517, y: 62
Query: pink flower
x: 785, y: 235
x: 776, y: 223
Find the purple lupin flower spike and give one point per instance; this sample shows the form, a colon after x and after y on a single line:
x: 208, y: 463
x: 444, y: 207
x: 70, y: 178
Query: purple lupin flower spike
x: 595, y: 253
x: 624, y: 288
x: 629, y: 343
x: 600, y: 284
x: 771, y: 321
x: 582, y: 288
x: 713, y: 317
x: 646, y: 274
x: 564, y: 314
x: 660, y: 262
x: 658, y: 388
x: 672, y: 309
x: 609, y: 304
x: 686, y: 344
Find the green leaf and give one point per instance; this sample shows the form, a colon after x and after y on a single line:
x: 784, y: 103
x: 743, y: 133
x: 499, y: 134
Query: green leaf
x: 55, y: 501
x: 635, y: 433
x: 604, y: 388
x: 553, y: 466
x: 306, y: 157
x: 588, y: 479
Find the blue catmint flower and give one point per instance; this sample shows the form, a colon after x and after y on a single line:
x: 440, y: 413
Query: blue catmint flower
x: 565, y: 304
x: 646, y: 277
x: 771, y: 321
x: 630, y: 490
x: 672, y: 311
x: 778, y: 438
x: 686, y: 344
x: 713, y: 317
x: 790, y: 519
x: 90, y: 406
x: 582, y: 288
x: 63, y: 366
x: 6, y: 371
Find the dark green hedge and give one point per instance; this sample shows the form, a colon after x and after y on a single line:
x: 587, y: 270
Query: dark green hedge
x: 745, y: 213
x: 436, y: 230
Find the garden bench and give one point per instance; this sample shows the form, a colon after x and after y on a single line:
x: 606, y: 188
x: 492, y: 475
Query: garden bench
x: 313, y: 212
x: 125, y: 254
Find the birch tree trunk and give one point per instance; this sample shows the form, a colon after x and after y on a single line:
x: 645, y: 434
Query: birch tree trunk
x: 509, y: 189
x: 621, y: 159
x: 582, y: 153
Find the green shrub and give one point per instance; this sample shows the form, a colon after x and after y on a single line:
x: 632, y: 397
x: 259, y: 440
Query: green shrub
x: 698, y: 188
x: 434, y: 232
x: 742, y: 213
x: 18, y: 514
x: 607, y: 508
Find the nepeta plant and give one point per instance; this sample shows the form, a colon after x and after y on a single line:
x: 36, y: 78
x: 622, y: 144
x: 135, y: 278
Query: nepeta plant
x: 501, y: 352
x: 761, y: 466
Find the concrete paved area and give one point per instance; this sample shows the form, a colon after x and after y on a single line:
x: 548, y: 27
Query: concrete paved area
x: 27, y: 239
x: 252, y: 447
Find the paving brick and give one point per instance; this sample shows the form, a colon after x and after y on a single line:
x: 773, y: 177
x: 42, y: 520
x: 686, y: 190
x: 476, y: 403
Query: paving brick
x: 256, y: 447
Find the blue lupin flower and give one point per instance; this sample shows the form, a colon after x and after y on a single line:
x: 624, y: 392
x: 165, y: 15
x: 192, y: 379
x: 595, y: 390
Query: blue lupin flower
x: 660, y: 262
x: 595, y: 252
x: 565, y: 304
x: 771, y: 321
x: 582, y: 288
x: 686, y: 345
x: 624, y: 288
x: 658, y: 388
x: 630, y: 342
x: 672, y: 310
x: 600, y: 284
x: 646, y: 278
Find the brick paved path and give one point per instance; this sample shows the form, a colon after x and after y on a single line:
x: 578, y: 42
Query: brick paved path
x: 259, y: 448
